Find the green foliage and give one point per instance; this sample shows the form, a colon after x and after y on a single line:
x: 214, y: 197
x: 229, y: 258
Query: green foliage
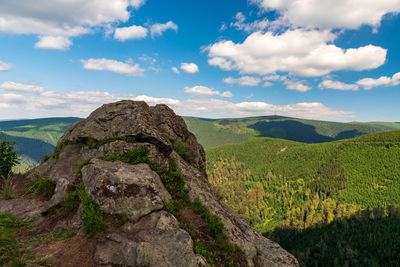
x: 78, y: 171
x: 10, y: 253
x: 180, y: 149
x: 133, y: 157
x: 365, y: 239
x: 279, y: 184
x: 43, y: 186
x: 8, y: 157
x: 92, y: 215
x: 212, y: 133
x: 212, y: 244
x: 35, y: 138
x: 51, y: 237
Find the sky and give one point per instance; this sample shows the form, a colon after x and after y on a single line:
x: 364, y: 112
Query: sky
x: 316, y: 59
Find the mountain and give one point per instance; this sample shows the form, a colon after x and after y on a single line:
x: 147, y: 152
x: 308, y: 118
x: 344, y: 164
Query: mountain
x: 337, y: 195
x: 214, y: 132
x: 385, y: 126
x: 35, y: 138
x: 131, y: 179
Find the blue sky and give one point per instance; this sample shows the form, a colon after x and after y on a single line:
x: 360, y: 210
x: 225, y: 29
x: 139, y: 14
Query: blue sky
x: 320, y: 59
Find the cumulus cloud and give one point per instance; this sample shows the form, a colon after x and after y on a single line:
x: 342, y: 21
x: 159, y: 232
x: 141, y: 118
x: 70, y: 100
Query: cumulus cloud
x: 243, y: 81
x: 369, y: 83
x: 175, y: 69
x: 159, y: 28
x: 53, y: 42
x: 19, y: 87
x: 81, y: 103
x: 257, y: 25
x: 327, y: 14
x: 205, y: 91
x: 56, y: 19
x: 112, y: 65
x: 4, y: 66
x: 299, y: 52
x: 297, y: 86
x: 132, y: 32
x: 189, y: 67
x: 337, y: 85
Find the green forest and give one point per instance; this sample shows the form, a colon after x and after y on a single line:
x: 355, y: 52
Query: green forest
x: 34, y: 138
x: 214, y: 132
x: 301, y: 195
x: 328, y: 200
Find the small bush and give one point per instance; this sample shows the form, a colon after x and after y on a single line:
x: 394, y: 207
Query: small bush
x: 9, y: 245
x: 8, y: 157
x: 43, y: 186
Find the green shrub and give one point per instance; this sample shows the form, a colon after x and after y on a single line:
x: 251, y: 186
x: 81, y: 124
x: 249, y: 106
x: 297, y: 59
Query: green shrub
x: 43, y: 186
x: 8, y: 157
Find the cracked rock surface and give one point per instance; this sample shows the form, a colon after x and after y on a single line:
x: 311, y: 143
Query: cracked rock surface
x: 152, y: 236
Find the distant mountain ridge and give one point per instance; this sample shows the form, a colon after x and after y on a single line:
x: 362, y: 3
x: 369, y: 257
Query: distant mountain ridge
x: 37, y: 137
x: 214, y: 132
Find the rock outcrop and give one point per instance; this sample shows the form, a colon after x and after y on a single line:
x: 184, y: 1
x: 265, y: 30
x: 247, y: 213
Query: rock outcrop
x: 151, y: 236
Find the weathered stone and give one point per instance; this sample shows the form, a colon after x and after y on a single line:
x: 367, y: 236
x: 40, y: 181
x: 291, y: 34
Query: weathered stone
x: 156, y: 240
x: 156, y: 125
x: 121, y: 188
x: 152, y: 237
x: 22, y: 208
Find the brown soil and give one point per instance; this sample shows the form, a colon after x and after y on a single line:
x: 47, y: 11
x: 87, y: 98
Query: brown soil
x: 74, y: 251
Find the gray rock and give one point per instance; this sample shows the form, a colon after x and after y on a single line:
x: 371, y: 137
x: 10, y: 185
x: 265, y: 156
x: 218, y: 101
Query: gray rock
x: 155, y: 240
x: 23, y: 208
x: 156, y: 125
x: 121, y: 188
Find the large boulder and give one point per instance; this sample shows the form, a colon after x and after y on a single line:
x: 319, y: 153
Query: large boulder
x: 156, y: 240
x: 156, y: 125
x: 152, y: 237
x: 124, y: 189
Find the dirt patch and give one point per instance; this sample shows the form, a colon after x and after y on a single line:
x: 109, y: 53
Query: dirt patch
x: 194, y: 221
x: 75, y: 251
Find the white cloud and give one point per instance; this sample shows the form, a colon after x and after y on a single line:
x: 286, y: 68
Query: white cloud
x: 298, y: 52
x: 328, y: 14
x: 50, y: 103
x: 243, y: 81
x: 297, y: 85
x: 53, y: 42
x: 4, y: 66
x: 337, y: 85
x: 137, y: 3
x: 274, y: 77
x: 22, y: 88
x: 175, y: 69
x: 267, y: 84
x: 257, y: 25
x: 112, y: 65
x: 369, y: 83
x: 202, y: 91
x: 132, y: 32
x: 60, y: 18
x: 159, y: 28
x: 189, y: 67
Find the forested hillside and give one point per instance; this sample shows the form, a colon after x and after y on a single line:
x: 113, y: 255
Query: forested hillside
x: 35, y: 138
x: 310, y: 195
x: 228, y: 131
